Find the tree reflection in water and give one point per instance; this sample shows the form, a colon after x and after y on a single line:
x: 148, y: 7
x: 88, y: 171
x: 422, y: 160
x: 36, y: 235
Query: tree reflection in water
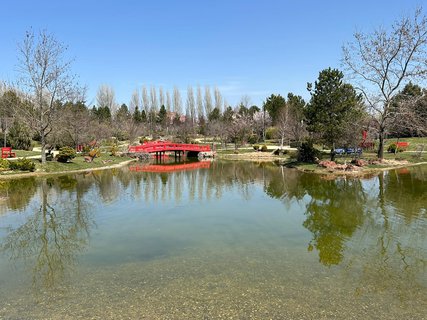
x: 335, y: 209
x: 16, y: 194
x: 396, y: 238
x: 379, y: 222
x: 374, y: 226
x: 51, y: 238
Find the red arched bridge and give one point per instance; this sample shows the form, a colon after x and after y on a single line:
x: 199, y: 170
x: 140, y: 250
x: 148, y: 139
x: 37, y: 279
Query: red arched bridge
x: 161, y: 147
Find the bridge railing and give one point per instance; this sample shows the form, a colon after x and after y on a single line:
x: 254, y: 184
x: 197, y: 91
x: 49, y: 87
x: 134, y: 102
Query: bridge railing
x: 168, y: 146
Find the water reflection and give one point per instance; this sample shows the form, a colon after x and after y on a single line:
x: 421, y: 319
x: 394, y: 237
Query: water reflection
x: 374, y: 226
x: 16, y: 194
x: 54, y: 233
x: 338, y: 208
x: 335, y: 209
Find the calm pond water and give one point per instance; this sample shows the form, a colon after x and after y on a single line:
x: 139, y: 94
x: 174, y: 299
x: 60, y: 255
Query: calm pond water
x: 221, y: 240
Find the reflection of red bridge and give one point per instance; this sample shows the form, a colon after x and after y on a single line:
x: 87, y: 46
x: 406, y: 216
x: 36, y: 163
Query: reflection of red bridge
x: 170, y: 167
x: 160, y: 147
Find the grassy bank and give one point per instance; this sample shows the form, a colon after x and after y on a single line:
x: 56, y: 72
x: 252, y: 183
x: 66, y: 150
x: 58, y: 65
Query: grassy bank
x: 391, y: 160
x: 77, y: 164
x: 26, y: 153
x: 413, y: 143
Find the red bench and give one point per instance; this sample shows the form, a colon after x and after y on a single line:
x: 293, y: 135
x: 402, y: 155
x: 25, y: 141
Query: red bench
x: 402, y: 144
x: 6, y: 152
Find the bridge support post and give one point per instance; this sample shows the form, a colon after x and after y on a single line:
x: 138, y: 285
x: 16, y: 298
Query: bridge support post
x: 177, y: 154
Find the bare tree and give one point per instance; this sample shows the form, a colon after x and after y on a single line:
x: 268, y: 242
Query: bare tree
x: 225, y: 104
x: 153, y: 107
x: 260, y: 120
x: 208, y: 101
x: 73, y: 125
x: 177, y: 102
x: 191, y: 104
x: 168, y: 101
x: 297, y: 127
x: 46, y: 79
x: 382, y: 62
x: 106, y: 97
x: 412, y: 117
x: 134, y: 101
x: 199, y: 102
x: 218, y: 99
x: 146, y: 106
x: 153, y: 99
x: 238, y: 129
x: 282, y: 124
x: 245, y: 101
x: 161, y: 96
x: 145, y: 101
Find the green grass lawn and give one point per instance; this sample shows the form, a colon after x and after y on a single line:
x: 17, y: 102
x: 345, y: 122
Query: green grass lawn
x: 26, y: 153
x: 231, y: 151
x: 409, y: 156
x: 78, y: 163
x: 413, y: 143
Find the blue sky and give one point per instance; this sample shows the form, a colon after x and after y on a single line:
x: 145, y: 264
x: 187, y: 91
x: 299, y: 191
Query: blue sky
x: 253, y: 48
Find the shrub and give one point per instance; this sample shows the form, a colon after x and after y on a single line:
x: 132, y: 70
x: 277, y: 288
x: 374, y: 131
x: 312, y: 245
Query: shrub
x: 293, y: 154
x: 256, y: 147
x: 253, y: 138
x: 113, y: 150
x: 23, y: 164
x: 122, y: 135
x: 94, y: 153
x: 308, y: 153
x: 264, y: 148
x: 295, y: 144
x: 279, y: 152
x: 143, y: 140
x: 4, y: 164
x: 271, y: 133
x: 392, y: 148
x: 86, y: 149
x: 66, y: 154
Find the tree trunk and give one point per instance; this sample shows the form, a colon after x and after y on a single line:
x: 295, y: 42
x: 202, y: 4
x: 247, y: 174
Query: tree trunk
x: 380, y: 153
x: 333, y: 152
x: 43, y: 143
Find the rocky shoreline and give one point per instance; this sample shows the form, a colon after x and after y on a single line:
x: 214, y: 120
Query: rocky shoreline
x: 358, y: 167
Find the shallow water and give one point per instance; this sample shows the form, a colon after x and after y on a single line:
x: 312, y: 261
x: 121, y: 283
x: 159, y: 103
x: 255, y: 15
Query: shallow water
x: 214, y: 241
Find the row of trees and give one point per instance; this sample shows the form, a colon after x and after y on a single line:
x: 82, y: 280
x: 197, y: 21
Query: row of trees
x: 148, y: 104
x: 379, y: 96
